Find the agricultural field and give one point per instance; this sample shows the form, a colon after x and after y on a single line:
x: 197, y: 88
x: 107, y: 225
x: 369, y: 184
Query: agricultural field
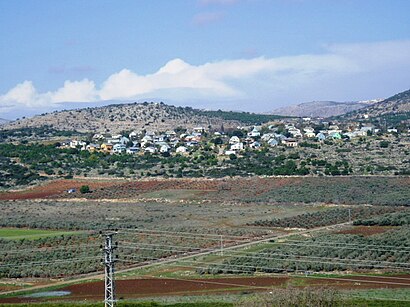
x: 206, y: 237
x: 31, y: 234
x: 371, y: 190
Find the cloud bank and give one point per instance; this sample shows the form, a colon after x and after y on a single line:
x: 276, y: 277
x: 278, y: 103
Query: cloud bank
x: 349, y: 69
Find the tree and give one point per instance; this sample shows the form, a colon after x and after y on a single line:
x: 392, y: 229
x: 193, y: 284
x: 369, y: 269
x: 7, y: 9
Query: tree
x: 238, y: 133
x: 217, y: 141
x: 384, y: 144
x: 85, y: 189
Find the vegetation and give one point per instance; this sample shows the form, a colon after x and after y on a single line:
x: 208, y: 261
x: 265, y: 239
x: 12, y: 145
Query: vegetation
x: 296, y: 297
x: 21, y: 233
x: 35, y: 133
x: 14, y: 174
x: 85, y: 189
x: 391, y: 219
x: 325, y: 253
x: 326, y: 217
x: 352, y: 190
x: 244, y: 117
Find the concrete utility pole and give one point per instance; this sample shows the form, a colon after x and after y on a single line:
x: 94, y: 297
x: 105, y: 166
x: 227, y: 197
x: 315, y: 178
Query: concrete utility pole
x: 109, y: 270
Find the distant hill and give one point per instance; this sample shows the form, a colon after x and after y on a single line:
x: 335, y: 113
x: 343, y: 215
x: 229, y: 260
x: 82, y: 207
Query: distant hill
x: 3, y: 121
x: 138, y: 116
x: 391, y: 111
x: 322, y: 108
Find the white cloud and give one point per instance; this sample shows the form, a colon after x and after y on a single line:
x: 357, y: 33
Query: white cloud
x: 76, y: 91
x: 174, y: 75
x: 23, y: 94
x: 349, y: 70
x: 26, y: 95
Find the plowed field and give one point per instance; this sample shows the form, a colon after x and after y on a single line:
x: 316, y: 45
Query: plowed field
x: 134, y: 288
x: 55, y: 188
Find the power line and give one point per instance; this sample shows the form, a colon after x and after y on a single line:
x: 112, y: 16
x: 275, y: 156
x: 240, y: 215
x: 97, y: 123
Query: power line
x: 239, y: 253
x: 181, y: 232
x: 354, y: 244
x: 298, y: 276
x: 243, y: 270
x: 304, y: 261
x: 190, y: 237
x: 321, y: 244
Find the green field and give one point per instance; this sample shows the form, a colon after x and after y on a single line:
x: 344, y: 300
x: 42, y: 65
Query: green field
x: 24, y: 233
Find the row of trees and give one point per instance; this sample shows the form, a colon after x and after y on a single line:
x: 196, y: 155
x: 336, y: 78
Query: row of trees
x: 331, y: 252
x: 326, y: 217
x: 392, y: 219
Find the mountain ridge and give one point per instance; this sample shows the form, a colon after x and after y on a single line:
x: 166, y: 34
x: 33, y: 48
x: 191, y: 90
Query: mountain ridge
x: 394, y: 109
x: 118, y: 117
x: 322, y: 108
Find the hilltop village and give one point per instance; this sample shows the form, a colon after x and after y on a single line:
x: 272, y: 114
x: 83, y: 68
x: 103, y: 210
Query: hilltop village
x: 289, y: 133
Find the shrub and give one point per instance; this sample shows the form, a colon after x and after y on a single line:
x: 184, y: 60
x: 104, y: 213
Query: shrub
x: 85, y: 189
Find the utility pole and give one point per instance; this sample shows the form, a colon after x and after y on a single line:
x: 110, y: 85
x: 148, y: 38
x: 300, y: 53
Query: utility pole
x: 350, y: 216
x: 109, y: 270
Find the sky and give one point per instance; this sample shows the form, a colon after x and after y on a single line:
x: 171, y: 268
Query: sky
x: 251, y: 55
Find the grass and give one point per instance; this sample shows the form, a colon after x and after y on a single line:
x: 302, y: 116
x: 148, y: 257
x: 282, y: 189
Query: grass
x: 31, y: 234
x: 402, y: 294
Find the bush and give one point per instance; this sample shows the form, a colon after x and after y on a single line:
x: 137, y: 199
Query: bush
x: 85, y: 189
x: 295, y: 297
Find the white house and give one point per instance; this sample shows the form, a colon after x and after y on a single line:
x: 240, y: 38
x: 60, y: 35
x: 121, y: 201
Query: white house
x: 288, y: 142
x: 255, y: 145
x: 132, y: 150
x: 273, y: 142
x: 151, y: 149
x: 164, y: 148
x: 254, y: 134
x: 308, y: 129
x: 147, y: 138
x: 310, y: 134
x: 98, y: 136
x: 113, y: 141
x: 181, y: 149
x: 321, y: 136
x: 199, y: 129
x: 75, y: 143
x: 234, y: 140
x: 118, y: 148
x: 133, y: 135
x: 93, y: 147
x: 170, y: 133
x: 267, y: 136
x: 237, y: 146
x: 230, y: 152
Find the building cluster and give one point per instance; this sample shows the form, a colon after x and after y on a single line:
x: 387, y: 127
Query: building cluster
x: 288, y: 134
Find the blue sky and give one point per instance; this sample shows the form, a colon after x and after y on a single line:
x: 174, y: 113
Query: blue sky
x: 253, y: 55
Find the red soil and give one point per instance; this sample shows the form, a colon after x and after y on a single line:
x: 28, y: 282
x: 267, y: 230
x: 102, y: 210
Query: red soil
x: 54, y: 188
x: 365, y: 230
x: 134, y: 288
